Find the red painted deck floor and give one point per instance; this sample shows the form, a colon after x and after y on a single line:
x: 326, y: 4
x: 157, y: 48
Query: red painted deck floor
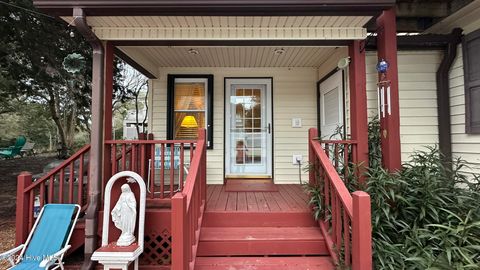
x: 289, y: 198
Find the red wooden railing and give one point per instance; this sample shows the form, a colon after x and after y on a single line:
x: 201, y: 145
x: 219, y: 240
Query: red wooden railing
x: 341, y: 153
x: 346, y: 218
x: 163, y: 164
x: 67, y: 183
x: 187, y: 210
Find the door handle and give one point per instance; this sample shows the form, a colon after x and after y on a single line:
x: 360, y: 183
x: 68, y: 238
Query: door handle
x: 269, y: 128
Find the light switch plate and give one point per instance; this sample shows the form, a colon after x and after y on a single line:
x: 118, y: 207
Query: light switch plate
x: 296, y: 122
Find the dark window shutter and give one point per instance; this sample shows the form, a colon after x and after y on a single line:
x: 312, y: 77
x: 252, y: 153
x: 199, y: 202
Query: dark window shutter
x: 471, y: 67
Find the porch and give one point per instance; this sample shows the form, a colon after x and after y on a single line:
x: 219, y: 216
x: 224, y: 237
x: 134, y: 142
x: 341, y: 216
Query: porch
x: 190, y: 224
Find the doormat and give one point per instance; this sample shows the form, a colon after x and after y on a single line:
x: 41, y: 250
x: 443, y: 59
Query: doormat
x: 250, y: 185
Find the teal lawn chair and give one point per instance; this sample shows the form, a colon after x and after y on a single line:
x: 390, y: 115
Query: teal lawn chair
x: 14, y: 150
x: 48, y: 240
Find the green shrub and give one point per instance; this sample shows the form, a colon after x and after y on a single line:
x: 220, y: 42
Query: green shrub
x: 425, y: 217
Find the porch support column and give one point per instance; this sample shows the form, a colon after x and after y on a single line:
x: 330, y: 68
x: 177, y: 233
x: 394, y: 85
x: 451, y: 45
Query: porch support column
x: 108, y: 117
x: 108, y: 110
x: 390, y: 124
x: 96, y: 144
x: 358, y: 103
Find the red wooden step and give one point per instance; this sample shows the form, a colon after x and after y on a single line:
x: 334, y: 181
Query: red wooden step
x: 78, y: 236
x: 265, y: 263
x: 243, y: 241
x: 259, y: 219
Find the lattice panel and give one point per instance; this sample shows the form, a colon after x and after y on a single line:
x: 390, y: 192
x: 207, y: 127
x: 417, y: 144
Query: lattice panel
x: 157, y: 249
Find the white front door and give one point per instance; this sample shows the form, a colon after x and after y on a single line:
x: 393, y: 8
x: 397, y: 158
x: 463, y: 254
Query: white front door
x: 248, y: 127
x: 331, y: 107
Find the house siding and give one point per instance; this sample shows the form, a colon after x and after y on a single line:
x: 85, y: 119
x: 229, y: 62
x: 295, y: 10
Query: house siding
x: 418, y: 98
x: 417, y: 91
x: 294, y: 95
x: 465, y: 146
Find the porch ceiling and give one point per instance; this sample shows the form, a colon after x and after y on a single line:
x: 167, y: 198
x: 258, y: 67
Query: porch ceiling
x: 244, y: 56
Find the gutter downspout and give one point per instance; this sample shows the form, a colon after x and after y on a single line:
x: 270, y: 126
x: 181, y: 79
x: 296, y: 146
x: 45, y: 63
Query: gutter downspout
x: 443, y: 97
x: 96, y: 151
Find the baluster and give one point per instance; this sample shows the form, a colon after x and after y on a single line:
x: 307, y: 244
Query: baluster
x: 336, y: 153
x: 172, y: 168
x: 181, y: 172
x: 30, y: 209
x: 327, y: 149
x: 80, y: 182
x: 142, y: 161
x: 42, y: 194
x: 338, y: 221
x: 346, y: 237
x: 152, y: 171
x: 333, y: 218
x: 70, y: 183
x: 162, y: 171
x: 61, y: 182
x: 114, y: 159
x: 346, y: 162
x: 133, y: 158
x: 327, y: 198
x: 124, y: 157
x: 51, y: 183
x: 191, y: 152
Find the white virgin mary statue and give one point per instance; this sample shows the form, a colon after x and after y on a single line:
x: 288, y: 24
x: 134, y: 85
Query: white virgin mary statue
x: 124, y: 216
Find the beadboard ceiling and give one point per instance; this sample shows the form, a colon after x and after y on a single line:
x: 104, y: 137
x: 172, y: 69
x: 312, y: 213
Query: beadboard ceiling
x: 225, y: 21
x: 244, y: 56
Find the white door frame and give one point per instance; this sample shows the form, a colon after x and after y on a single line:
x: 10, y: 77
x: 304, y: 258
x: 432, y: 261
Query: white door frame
x: 267, y: 112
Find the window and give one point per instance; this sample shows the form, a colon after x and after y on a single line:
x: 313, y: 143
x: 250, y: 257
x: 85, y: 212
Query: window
x: 190, y: 103
x: 471, y: 60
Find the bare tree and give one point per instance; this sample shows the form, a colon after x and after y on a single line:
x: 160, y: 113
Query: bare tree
x: 136, y: 85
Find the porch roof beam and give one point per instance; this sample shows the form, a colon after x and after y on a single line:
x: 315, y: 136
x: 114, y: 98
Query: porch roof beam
x: 216, y: 7
x: 231, y: 33
x: 417, y: 42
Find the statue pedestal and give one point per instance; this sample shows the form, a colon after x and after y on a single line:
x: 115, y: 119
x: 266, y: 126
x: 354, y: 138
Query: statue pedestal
x: 115, y: 257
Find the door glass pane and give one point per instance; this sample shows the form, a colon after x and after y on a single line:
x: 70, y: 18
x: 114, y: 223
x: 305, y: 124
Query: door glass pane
x: 248, y: 135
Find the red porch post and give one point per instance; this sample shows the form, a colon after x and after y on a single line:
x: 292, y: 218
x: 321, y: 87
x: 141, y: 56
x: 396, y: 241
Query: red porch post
x: 361, y: 232
x: 108, y: 110
x: 109, y: 57
x: 358, y: 103
x: 390, y: 124
x: 23, y: 203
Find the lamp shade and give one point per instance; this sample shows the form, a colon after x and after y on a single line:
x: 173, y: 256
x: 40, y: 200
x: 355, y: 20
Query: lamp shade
x: 189, y: 122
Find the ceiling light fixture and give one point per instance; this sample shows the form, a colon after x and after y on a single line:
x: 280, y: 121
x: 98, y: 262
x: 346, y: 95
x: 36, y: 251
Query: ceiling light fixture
x: 279, y: 51
x: 193, y: 51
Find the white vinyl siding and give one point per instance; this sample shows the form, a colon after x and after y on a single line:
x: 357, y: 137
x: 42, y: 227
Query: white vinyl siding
x: 465, y: 146
x: 418, y: 98
x: 294, y: 96
x: 417, y: 90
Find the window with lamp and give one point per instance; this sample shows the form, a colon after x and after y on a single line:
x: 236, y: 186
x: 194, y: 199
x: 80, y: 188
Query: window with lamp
x: 190, y: 107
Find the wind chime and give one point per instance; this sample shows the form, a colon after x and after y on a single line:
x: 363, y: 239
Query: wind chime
x: 383, y: 90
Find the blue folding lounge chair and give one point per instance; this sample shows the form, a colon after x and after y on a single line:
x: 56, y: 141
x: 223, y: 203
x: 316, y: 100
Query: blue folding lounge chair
x: 48, y: 240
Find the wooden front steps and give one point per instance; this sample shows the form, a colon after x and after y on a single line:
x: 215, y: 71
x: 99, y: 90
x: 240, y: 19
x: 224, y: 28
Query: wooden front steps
x: 260, y: 230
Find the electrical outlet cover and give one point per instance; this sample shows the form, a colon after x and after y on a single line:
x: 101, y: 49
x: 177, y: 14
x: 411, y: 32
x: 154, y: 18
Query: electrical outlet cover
x: 296, y: 158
